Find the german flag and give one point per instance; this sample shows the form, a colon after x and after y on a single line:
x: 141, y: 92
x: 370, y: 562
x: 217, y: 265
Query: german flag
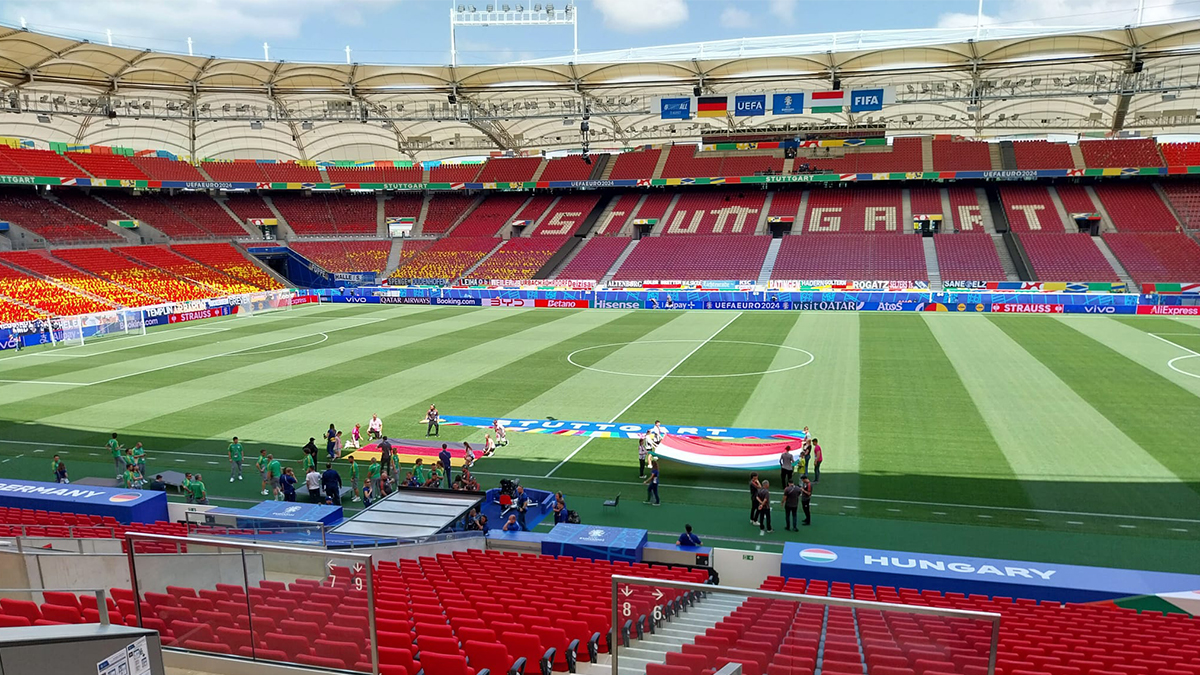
x: 712, y: 106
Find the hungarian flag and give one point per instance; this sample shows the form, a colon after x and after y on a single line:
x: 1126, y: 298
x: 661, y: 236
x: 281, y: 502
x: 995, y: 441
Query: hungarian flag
x: 828, y: 101
x: 712, y: 106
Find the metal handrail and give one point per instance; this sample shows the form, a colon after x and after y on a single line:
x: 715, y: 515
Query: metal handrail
x: 615, y: 636
x: 132, y: 537
x: 100, y: 593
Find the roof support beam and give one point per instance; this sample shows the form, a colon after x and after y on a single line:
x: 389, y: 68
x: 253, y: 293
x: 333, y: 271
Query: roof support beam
x: 1131, y: 70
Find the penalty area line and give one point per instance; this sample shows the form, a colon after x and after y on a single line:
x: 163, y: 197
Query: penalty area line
x: 647, y: 391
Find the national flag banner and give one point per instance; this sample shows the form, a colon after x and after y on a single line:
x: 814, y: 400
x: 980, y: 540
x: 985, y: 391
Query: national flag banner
x: 749, y: 106
x: 787, y: 104
x: 827, y: 101
x: 676, y: 108
x: 712, y: 106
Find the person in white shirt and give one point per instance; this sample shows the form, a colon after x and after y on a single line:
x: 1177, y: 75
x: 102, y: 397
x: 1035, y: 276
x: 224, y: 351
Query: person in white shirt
x: 501, y: 437
x: 312, y: 481
x: 375, y: 428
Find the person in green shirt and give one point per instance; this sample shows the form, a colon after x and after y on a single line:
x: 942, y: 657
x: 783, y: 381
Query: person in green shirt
x: 129, y: 477
x: 54, y: 468
x: 186, y: 486
x: 199, y: 494
x: 353, y: 479
x: 261, y: 465
x: 118, y: 454
x: 421, y: 472
x: 310, y: 462
x: 130, y: 460
x: 235, y: 459
x: 274, y: 471
x: 373, y: 475
x: 139, y: 457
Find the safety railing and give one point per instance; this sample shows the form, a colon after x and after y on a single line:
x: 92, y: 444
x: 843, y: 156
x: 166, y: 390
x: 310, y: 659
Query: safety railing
x: 225, y: 597
x: 255, y: 528
x: 715, y: 626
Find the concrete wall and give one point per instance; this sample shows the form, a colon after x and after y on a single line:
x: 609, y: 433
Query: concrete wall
x: 745, y: 569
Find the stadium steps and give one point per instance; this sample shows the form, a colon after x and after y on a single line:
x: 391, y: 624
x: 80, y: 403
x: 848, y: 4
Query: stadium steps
x: 1106, y: 222
x: 467, y: 272
x: 393, y: 260
x: 200, y: 168
x: 789, y: 164
x: 463, y: 216
x: 567, y: 260
x: 619, y: 261
x: 417, y: 226
x: 985, y: 214
x: 609, y: 163
x: 762, y: 227
x: 381, y: 228
x: 948, y: 215
x: 223, y: 202
x: 67, y: 157
x: 931, y: 264
x: 537, y: 175
x: 284, y: 231
x: 769, y: 261
x: 1077, y: 156
x: 906, y: 211
x: 627, y: 230
x: 662, y: 161
x: 600, y: 166
x: 1008, y: 156
x: 1112, y: 260
x: 927, y: 153
x: 666, y: 217
x: 996, y: 158
x: 1158, y: 188
x: 1010, y: 270
x: 683, y: 629
x: 1063, y: 217
x: 129, y: 235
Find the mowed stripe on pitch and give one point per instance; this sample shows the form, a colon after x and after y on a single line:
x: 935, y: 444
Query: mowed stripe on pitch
x: 1067, y: 454
x: 1132, y: 338
x: 230, y: 375
x: 415, y: 383
x: 1158, y: 414
x: 920, y: 435
x: 350, y: 389
x: 822, y: 395
x: 545, y: 385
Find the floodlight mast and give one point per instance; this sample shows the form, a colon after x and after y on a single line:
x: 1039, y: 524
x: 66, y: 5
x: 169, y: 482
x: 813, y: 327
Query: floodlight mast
x: 516, y: 14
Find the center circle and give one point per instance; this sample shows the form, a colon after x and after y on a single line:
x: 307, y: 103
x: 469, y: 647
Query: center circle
x: 810, y: 359
x: 1172, y: 366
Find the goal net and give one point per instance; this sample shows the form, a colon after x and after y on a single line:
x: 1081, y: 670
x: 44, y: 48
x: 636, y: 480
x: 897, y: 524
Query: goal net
x: 252, y: 304
x: 89, y: 328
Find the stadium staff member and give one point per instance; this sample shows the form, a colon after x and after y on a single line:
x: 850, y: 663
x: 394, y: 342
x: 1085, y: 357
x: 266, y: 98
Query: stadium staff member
x: 687, y: 538
x: 431, y: 421
x: 522, y: 502
x: 444, y: 458
x: 261, y: 465
x: 235, y: 459
x: 805, y: 496
x: 274, y: 476
x: 786, y: 462
x: 312, y: 481
x: 764, y: 508
x: 791, y: 501
x: 331, y: 483
x: 512, y: 525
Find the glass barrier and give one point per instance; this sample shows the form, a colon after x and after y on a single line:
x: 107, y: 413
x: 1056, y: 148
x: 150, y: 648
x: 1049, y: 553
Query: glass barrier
x: 256, y: 529
x: 831, y: 628
x: 29, y: 606
x: 263, y: 602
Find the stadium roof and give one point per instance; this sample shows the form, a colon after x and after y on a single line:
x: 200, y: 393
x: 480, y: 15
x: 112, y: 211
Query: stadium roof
x: 992, y: 82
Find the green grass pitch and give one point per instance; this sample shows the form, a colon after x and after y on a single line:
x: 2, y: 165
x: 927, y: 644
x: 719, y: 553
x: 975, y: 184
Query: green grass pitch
x: 1060, y: 438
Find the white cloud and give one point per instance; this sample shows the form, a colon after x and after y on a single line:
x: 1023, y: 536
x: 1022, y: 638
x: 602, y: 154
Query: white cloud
x: 636, y: 16
x: 784, y: 10
x: 171, y: 22
x: 734, y: 17
x: 1027, y: 13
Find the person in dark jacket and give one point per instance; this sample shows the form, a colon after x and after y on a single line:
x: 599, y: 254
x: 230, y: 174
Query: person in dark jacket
x: 331, y: 484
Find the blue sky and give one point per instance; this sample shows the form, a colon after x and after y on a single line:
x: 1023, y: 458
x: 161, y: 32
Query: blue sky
x: 417, y: 31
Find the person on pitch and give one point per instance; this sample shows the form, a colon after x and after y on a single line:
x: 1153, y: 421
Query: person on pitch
x: 501, y: 437
x: 432, y: 422
x: 375, y: 428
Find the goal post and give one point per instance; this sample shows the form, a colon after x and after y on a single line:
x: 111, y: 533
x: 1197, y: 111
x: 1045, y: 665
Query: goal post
x: 89, y: 328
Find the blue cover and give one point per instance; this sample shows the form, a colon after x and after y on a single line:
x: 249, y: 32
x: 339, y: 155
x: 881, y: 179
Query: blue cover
x: 295, y: 511
x: 127, y: 506
x: 985, y: 576
x: 595, y: 541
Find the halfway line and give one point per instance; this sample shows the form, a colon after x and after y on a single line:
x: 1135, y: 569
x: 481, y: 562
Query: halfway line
x: 634, y: 401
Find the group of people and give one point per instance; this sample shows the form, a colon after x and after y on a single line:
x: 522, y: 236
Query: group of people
x: 795, y: 495
x: 130, y: 464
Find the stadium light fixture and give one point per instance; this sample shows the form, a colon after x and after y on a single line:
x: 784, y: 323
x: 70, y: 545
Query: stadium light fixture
x: 44, y: 119
x: 502, y: 15
x: 256, y: 125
